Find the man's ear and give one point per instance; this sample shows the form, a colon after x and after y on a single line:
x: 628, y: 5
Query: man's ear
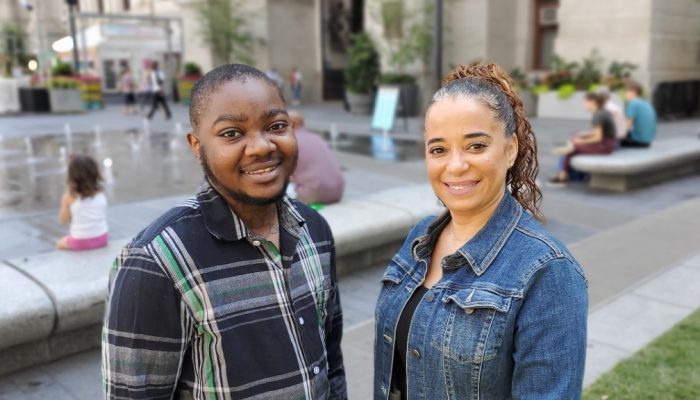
x: 195, y: 144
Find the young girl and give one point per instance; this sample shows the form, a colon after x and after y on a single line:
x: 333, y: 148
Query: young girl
x: 84, y: 205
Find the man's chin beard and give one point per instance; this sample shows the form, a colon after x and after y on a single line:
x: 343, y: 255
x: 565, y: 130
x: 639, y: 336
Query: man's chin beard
x: 239, y: 197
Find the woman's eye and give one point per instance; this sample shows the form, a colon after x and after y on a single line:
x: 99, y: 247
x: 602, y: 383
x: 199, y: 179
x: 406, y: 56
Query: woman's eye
x: 476, y: 146
x: 436, y: 151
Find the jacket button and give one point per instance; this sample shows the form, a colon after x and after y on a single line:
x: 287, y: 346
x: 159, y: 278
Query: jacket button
x: 429, y: 297
x: 388, y: 338
x: 415, y: 353
x: 383, y: 389
x: 317, y: 370
x: 469, y: 311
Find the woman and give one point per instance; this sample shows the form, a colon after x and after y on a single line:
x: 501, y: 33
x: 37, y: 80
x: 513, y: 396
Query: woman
x: 127, y: 86
x: 481, y: 302
x: 600, y: 140
x: 84, y: 206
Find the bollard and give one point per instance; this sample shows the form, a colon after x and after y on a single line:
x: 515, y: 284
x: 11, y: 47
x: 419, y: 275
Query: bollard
x: 69, y: 137
x: 98, y: 136
x: 334, y: 136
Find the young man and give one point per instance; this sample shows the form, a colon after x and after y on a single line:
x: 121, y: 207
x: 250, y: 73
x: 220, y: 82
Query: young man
x: 232, y: 295
x: 317, y: 177
x: 641, y: 118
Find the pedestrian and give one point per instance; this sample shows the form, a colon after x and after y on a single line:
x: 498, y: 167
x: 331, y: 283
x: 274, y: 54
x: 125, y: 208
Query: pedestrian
x: 83, y: 206
x: 481, y: 302
x: 601, y: 139
x: 275, y: 77
x: 617, y: 112
x: 156, y: 82
x: 641, y: 117
x: 127, y: 86
x: 232, y: 295
x: 295, y: 79
x: 145, y: 87
x: 317, y: 178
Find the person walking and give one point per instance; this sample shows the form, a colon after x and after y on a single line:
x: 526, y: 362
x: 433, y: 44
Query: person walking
x: 295, y: 79
x: 127, y: 86
x: 481, y: 302
x: 233, y: 294
x: 156, y: 82
x: 83, y: 206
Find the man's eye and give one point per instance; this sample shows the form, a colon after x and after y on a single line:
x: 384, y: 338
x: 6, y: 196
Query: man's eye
x: 230, y: 134
x: 279, y: 126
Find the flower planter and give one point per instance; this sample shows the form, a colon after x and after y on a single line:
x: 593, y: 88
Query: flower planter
x: 91, y: 93
x: 184, y: 88
x: 34, y: 100
x: 360, y: 103
x: 65, y: 100
x: 529, y: 102
x: 550, y: 105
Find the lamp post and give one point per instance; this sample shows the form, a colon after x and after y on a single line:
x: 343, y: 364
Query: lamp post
x: 71, y: 17
x: 437, y: 42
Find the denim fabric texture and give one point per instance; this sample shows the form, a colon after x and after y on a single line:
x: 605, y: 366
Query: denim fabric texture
x: 506, y: 321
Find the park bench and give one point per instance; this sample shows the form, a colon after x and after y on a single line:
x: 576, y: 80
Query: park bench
x: 52, y: 304
x: 628, y: 169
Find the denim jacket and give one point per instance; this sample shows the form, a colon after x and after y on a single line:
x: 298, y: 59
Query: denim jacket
x: 506, y: 321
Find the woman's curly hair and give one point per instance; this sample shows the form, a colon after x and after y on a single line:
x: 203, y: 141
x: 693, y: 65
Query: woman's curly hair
x: 492, y: 86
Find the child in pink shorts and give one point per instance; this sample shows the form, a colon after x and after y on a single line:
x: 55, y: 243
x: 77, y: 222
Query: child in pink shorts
x: 84, y: 206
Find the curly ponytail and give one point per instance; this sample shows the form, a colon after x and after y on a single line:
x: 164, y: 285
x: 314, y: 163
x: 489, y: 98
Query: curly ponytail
x: 491, y: 85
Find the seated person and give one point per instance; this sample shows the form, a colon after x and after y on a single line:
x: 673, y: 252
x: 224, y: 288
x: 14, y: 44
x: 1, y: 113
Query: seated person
x: 616, y: 111
x: 600, y: 140
x: 641, y: 118
x: 317, y: 177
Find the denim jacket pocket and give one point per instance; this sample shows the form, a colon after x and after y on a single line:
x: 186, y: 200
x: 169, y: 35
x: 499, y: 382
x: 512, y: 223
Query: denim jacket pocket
x: 393, y: 276
x: 474, y: 329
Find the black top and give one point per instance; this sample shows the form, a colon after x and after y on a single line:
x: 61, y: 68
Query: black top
x: 604, y: 119
x: 398, y: 375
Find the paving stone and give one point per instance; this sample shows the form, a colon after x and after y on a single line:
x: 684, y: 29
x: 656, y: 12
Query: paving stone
x: 679, y: 285
x: 601, y: 358
x: 631, y: 322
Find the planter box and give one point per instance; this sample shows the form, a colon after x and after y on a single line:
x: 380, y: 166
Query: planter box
x: 65, y: 100
x: 184, y: 88
x: 549, y: 105
x: 34, y: 100
x: 9, y: 95
x: 529, y: 102
x: 359, y: 103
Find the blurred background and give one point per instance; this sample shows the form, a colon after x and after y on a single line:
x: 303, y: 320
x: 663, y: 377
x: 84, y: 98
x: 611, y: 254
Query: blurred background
x: 81, y: 77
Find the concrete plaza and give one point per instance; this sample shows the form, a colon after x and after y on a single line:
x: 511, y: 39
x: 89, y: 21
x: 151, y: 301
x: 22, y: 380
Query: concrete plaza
x: 649, y: 236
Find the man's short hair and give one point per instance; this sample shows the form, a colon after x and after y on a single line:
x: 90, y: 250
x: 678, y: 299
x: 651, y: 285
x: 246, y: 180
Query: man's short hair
x: 214, y: 79
x: 633, y: 86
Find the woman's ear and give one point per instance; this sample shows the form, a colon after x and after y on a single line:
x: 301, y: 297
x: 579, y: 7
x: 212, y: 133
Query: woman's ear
x: 512, y: 149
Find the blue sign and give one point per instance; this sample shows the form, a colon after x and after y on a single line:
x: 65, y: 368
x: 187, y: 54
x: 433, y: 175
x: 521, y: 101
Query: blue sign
x: 383, y: 147
x: 385, y: 108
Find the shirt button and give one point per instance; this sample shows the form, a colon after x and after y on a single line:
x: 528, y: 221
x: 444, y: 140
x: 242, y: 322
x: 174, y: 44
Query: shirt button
x: 256, y: 243
x: 415, y: 353
x: 317, y: 370
x: 301, y: 320
x: 429, y: 297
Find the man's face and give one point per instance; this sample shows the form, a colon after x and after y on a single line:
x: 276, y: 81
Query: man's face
x: 245, y: 143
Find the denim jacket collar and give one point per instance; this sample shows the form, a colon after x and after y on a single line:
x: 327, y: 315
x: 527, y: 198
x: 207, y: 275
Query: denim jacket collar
x: 482, y: 249
x: 223, y: 223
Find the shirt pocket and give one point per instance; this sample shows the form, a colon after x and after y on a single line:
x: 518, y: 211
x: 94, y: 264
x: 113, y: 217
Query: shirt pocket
x: 475, y: 325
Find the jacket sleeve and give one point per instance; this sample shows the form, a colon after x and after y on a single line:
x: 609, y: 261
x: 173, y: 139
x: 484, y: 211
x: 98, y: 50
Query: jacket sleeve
x: 146, y: 330
x: 334, y: 334
x: 550, y: 334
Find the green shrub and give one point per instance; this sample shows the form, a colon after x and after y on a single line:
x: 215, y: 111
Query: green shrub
x: 192, y: 68
x: 565, y: 91
x: 392, y: 78
x: 62, y: 68
x: 362, y: 69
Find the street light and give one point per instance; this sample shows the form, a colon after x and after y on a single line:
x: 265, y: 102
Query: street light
x: 71, y: 16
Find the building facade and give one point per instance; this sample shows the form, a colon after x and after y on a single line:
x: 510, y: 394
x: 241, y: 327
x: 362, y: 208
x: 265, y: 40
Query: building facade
x: 662, y: 37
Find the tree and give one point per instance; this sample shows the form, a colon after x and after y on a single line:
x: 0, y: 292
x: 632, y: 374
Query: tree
x: 225, y: 30
x: 12, y: 46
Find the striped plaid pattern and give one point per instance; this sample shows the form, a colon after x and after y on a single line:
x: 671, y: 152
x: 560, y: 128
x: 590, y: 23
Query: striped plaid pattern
x: 200, y: 308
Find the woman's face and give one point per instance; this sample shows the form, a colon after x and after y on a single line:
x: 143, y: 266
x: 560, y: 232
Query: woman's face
x: 467, y: 155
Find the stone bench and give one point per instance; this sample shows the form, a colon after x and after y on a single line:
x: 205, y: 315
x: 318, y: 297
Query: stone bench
x: 628, y: 169
x: 52, y: 304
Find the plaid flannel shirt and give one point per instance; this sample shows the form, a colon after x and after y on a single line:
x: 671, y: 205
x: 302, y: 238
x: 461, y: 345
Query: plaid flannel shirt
x: 201, y: 308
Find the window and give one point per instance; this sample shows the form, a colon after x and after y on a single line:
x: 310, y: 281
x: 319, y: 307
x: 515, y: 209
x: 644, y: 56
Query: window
x: 546, y: 27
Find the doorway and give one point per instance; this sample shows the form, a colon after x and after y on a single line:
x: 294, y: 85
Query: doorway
x: 339, y: 19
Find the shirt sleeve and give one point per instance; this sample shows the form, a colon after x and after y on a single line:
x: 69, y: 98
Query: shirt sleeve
x: 146, y: 330
x: 334, y: 335
x: 550, y: 334
x: 631, y: 110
